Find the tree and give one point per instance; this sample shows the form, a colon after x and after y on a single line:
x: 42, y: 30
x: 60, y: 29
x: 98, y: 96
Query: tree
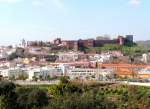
x: 34, y: 78
x: 37, y: 98
x: 1, y: 77
x: 2, y: 103
x: 12, y: 56
x: 49, y: 78
x: 31, y: 98
x: 62, y: 89
x: 22, y: 77
x: 20, y: 52
x: 12, y: 78
x: 8, y: 95
x: 41, y: 78
x: 64, y: 79
x: 6, y: 87
x: 84, y: 101
x: 132, y: 61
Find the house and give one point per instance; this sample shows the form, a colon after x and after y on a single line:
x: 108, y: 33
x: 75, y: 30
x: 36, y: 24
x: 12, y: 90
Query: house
x: 13, y: 72
x: 4, y: 72
x: 70, y: 56
x: 43, y: 72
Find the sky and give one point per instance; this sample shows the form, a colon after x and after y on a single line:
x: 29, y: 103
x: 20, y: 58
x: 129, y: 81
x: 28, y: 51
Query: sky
x: 72, y: 19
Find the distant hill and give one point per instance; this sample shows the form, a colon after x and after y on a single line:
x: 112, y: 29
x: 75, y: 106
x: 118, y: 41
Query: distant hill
x: 144, y: 43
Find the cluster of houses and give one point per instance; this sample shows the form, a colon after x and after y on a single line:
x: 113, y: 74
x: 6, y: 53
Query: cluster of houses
x: 31, y: 68
x: 5, y: 52
x: 29, y: 73
x: 35, y: 61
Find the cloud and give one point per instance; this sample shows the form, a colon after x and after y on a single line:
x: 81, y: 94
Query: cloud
x: 135, y: 2
x: 58, y: 3
x: 10, y: 1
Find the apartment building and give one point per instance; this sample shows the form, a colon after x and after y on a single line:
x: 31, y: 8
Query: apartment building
x: 90, y: 74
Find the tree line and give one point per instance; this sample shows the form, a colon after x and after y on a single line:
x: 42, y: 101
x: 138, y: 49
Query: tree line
x: 74, y: 95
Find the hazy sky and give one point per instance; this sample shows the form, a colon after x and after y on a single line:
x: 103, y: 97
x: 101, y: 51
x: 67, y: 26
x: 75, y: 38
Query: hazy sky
x: 72, y: 19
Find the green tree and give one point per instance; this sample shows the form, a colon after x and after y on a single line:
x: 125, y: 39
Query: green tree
x: 12, y: 56
x: 6, y: 87
x: 22, y: 77
x: 1, y: 78
x: 34, y: 78
x: 12, y: 78
x: 38, y: 98
x: 62, y: 89
x: 2, y: 103
x: 41, y: 78
x: 64, y: 79
x: 8, y: 95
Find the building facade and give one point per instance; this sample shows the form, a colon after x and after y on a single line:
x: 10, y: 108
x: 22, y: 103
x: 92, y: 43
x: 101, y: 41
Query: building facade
x: 99, y: 42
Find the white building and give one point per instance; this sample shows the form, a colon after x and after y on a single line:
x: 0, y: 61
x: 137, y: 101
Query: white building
x: 44, y: 72
x: 3, y: 55
x: 102, y: 58
x: 37, y: 72
x: 4, y: 72
x: 30, y: 72
x: 64, y: 68
x: 90, y: 74
x: 13, y: 72
x: 146, y: 58
x: 69, y: 56
x: 4, y: 64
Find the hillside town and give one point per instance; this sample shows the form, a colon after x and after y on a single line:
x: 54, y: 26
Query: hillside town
x: 45, y: 61
x: 74, y: 54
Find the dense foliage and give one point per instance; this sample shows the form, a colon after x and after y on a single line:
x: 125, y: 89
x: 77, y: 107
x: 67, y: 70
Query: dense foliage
x: 17, y: 97
x: 73, y: 95
x: 126, y: 50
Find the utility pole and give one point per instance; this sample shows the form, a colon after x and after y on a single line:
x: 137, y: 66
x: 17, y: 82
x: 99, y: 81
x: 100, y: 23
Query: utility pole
x: 132, y: 60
